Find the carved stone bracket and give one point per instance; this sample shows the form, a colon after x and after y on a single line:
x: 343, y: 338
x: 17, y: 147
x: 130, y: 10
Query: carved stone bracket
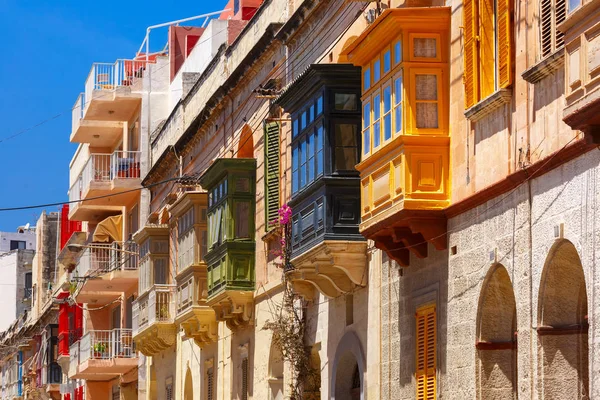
x: 234, y: 307
x: 332, y: 267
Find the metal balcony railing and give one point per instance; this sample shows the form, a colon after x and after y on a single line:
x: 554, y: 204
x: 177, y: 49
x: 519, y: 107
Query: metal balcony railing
x: 75, y: 192
x: 155, y: 306
x: 109, y: 76
x: 103, y: 258
x: 108, y: 167
x: 102, y: 345
x: 27, y: 293
x: 78, y: 109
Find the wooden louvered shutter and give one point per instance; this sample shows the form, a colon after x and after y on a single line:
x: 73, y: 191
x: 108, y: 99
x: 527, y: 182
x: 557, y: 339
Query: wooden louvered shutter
x: 471, y: 53
x: 487, y: 49
x: 559, y: 16
x: 546, y: 27
x: 426, y: 353
x: 505, y: 53
x: 271, y: 171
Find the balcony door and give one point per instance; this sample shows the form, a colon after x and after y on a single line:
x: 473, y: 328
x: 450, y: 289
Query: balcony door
x: 116, y: 318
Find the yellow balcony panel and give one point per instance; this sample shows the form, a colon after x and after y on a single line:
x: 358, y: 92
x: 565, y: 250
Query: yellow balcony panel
x: 154, y: 326
x: 235, y: 307
x: 97, y: 133
x: 194, y: 315
x: 332, y: 267
x: 404, y: 190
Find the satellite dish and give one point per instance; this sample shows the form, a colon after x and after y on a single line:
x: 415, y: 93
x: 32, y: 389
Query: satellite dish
x: 27, y: 226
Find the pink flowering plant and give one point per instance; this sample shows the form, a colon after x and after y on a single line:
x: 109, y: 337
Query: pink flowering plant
x: 283, y: 228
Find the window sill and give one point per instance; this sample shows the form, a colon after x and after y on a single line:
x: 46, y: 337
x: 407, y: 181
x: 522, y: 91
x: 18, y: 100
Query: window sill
x: 271, y: 235
x: 489, y: 104
x: 545, y: 67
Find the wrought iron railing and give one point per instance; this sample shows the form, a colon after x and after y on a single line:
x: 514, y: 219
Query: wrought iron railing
x: 103, y: 345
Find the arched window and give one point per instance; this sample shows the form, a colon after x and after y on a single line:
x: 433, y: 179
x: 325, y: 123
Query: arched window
x: 189, y: 386
x: 496, y: 340
x: 563, y: 326
x: 275, y: 373
x: 246, y: 145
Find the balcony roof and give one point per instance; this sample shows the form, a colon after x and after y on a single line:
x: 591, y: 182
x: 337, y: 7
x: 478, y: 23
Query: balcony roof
x: 389, y: 23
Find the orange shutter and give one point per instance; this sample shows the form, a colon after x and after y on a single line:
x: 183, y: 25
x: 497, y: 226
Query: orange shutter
x: 504, y: 43
x: 471, y: 69
x: 426, y: 354
x: 487, y: 51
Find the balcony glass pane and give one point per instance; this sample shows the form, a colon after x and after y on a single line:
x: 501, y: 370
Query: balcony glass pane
x: 346, y: 147
x: 310, y: 143
x: 387, y: 61
x: 242, y: 216
x: 367, y: 78
x: 319, y: 140
x: 397, y: 52
x: 346, y: 102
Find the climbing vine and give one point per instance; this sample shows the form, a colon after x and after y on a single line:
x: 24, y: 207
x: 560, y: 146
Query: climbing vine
x: 289, y: 322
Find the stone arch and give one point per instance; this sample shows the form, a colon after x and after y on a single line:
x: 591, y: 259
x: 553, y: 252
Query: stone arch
x: 276, y: 365
x: 246, y: 144
x: 346, y: 381
x: 188, y: 392
x: 563, y: 325
x: 496, y: 341
x: 348, y: 42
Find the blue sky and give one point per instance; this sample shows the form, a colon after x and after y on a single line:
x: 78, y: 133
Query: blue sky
x: 48, y: 51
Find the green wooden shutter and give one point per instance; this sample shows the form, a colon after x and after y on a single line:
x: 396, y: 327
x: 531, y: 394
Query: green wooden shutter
x: 272, y: 177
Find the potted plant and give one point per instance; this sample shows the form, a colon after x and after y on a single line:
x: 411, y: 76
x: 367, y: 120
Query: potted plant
x: 163, y: 312
x: 99, y: 349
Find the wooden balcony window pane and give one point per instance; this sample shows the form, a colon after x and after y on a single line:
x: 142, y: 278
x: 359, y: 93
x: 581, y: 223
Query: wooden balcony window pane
x: 242, y: 215
x: 295, y: 169
x: 319, y: 141
x: 387, y: 112
x: 387, y: 62
x: 367, y: 78
x: 345, y: 102
x: 376, y: 121
x: 398, y: 52
x: 346, y: 156
x: 376, y: 70
x: 310, y: 144
x: 366, y: 128
x: 425, y: 48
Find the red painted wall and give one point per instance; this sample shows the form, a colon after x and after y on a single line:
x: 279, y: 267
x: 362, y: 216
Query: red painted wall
x: 179, y: 47
x: 67, y: 227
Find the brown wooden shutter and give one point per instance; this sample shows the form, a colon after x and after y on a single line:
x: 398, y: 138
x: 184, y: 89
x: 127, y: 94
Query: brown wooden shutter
x: 426, y: 353
x: 505, y: 51
x: 272, y: 176
x: 471, y: 53
x: 209, y: 384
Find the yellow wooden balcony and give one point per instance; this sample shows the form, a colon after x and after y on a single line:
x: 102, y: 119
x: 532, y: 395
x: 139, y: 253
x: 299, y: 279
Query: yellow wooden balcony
x: 404, y: 169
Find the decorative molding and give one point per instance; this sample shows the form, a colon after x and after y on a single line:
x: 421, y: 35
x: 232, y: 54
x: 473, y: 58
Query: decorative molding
x: 489, y: 104
x: 332, y: 267
x: 545, y: 67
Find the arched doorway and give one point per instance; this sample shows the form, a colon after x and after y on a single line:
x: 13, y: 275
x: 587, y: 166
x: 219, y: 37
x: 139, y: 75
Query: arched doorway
x: 563, y: 326
x: 275, y: 373
x: 246, y: 145
x: 312, y: 381
x: 347, y: 381
x: 188, y: 392
x: 496, y: 340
